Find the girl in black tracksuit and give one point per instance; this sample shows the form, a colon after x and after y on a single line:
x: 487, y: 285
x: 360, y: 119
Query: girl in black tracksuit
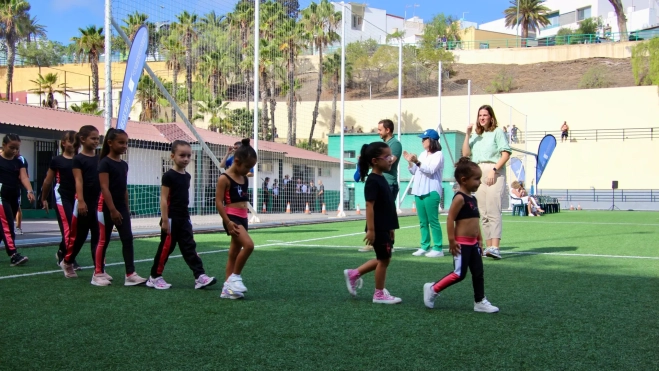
x: 61, y: 170
x: 175, y: 223
x: 113, y: 207
x: 87, y: 190
x: 12, y: 175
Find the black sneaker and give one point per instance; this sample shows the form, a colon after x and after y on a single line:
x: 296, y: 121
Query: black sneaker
x: 76, y: 266
x: 59, y: 256
x: 18, y: 259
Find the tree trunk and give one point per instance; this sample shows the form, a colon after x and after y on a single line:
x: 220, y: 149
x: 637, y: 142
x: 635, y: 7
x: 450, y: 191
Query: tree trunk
x: 188, y: 72
x: 622, y: 19
x: 174, y: 92
x: 319, y: 90
x: 95, y: 77
x: 335, y: 87
x: 294, y: 135
x: 264, y: 103
x: 11, y: 57
x: 214, y: 79
x: 291, y: 96
x: 273, y: 105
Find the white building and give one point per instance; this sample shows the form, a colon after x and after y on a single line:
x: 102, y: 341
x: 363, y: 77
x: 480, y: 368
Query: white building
x: 364, y: 22
x: 641, y: 14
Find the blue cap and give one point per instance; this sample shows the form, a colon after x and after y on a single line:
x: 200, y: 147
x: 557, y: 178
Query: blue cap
x: 430, y: 133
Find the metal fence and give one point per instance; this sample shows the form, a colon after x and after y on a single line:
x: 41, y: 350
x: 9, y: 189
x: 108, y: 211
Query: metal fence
x: 602, y: 195
x: 597, y: 134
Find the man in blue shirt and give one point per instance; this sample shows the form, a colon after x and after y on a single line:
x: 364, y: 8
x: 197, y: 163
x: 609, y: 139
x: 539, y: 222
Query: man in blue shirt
x: 227, y: 161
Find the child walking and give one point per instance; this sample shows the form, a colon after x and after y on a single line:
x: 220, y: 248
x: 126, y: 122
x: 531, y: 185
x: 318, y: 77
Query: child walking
x: 381, y: 221
x: 113, y: 208
x: 61, y: 170
x: 465, y: 239
x: 231, y: 200
x: 12, y: 175
x: 175, y: 223
x: 87, y: 190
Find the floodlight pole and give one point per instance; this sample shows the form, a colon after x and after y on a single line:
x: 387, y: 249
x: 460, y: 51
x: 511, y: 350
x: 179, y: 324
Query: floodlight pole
x: 341, y: 212
x: 108, y: 63
x: 255, y: 185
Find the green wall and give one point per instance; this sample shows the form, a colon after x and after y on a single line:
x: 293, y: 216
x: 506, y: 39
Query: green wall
x: 411, y: 143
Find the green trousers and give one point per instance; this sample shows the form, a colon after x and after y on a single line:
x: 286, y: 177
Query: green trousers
x: 427, y: 207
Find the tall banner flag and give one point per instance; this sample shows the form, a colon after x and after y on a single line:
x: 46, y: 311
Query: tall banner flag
x: 545, y: 150
x: 134, y: 67
x: 518, y: 169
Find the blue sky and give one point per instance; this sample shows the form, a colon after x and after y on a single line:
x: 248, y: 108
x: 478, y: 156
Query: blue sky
x: 63, y: 17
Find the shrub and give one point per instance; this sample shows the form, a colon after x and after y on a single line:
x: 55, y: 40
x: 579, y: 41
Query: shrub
x: 502, y: 83
x: 595, y: 78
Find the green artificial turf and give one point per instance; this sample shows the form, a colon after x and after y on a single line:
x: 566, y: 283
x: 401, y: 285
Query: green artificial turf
x: 577, y: 291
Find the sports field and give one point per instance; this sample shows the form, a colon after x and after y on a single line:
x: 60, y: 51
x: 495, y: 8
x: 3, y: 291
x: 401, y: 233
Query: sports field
x: 577, y: 291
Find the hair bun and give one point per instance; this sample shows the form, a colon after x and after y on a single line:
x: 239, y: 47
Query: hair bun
x: 245, y: 142
x: 463, y: 160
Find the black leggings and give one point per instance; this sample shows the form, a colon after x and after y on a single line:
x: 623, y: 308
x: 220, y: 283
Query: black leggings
x: 105, y: 225
x: 469, y: 258
x: 180, y: 231
x: 8, y: 209
x: 81, y: 226
x: 64, y: 213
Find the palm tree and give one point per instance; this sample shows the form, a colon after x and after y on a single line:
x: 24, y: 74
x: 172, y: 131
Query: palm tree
x: 31, y: 29
x: 174, y: 53
x: 133, y: 23
x: 90, y: 43
x: 90, y: 108
x: 187, y: 27
x: 532, y: 16
x: 332, y: 68
x: 292, y: 109
x: 320, y: 22
x: 149, y: 97
x: 12, y: 14
x: 242, y: 20
x: 212, y: 68
x: 290, y: 42
x: 211, y: 20
x: 619, y: 7
x: 216, y: 108
x: 48, y: 85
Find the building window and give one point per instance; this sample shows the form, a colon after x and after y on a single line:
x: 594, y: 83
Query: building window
x: 357, y: 22
x: 583, y: 13
x: 348, y: 154
x: 325, y: 171
x: 553, y: 20
x: 265, y: 166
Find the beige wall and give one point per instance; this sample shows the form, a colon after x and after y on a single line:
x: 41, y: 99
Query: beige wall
x: 500, y: 54
x: 472, y: 38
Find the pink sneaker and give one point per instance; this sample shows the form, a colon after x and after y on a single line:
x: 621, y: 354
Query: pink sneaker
x: 353, y: 281
x: 384, y: 297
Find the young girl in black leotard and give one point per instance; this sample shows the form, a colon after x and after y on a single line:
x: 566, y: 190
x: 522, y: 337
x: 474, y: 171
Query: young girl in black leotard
x: 465, y: 239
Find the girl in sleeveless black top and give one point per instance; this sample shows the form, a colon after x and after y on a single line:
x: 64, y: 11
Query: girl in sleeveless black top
x: 231, y: 201
x: 465, y: 240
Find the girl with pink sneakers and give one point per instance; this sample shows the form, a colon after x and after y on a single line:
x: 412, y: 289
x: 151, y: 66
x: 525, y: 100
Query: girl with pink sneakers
x: 381, y: 221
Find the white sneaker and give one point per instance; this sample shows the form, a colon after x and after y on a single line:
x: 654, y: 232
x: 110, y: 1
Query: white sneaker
x: 419, y: 252
x: 353, y: 282
x: 18, y: 230
x: 69, y: 272
x: 485, y: 307
x: 105, y: 275
x: 204, y: 281
x: 385, y: 298
x: 236, y: 284
x: 227, y: 293
x: 100, y: 281
x: 134, y: 280
x: 158, y: 283
x: 493, y: 252
x: 435, y: 254
x: 429, y: 295
x: 366, y: 248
